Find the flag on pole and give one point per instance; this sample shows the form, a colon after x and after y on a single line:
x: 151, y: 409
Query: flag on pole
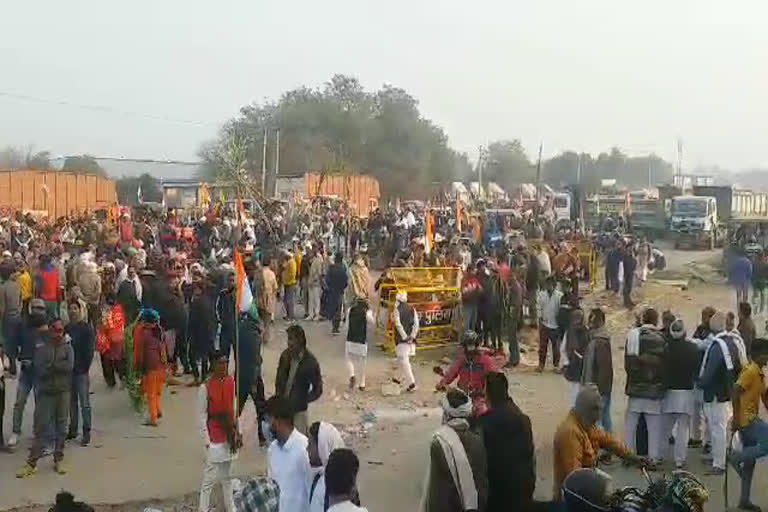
x: 458, y: 214
x: 244, y: 300
x: 429, y: 237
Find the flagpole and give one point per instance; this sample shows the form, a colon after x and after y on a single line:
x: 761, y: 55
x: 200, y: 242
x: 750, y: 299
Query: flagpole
x: 237, y: 314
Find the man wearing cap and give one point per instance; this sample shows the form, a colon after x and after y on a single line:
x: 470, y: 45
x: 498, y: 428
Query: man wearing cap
x: 30, y: 336
x: 720, y: 367
x: 219, y: 430
x: 470, y: 369
x: 406, y: 322
x: 677, y: 406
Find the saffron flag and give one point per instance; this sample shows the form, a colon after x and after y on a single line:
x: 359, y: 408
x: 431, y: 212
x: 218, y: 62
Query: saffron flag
x: 244, y: 298
x: 429, y: 236
x: 458, y: 214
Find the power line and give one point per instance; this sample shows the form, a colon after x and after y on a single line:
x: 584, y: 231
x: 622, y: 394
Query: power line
x: 104, y: 109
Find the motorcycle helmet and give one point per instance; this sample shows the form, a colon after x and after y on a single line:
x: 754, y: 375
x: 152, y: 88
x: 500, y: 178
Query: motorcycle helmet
x: 686, y: 492
x: 587, y: 490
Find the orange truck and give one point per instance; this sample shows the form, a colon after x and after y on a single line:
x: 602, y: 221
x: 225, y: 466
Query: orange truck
x: 54, y: 193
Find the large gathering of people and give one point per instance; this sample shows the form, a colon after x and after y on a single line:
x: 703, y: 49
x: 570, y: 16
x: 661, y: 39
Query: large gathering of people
x: 160, y: 297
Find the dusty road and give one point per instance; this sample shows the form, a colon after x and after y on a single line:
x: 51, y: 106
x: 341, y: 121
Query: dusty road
x: 131, y: 463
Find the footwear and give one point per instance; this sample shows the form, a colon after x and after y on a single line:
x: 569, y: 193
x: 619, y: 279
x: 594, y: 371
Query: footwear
x: 539, y: 369
x: 13, y: 440
x: 361, y: 388
x: 749, y: 506
x: 26, y: 471
x: 411, y: 388
x: 714, y: 472
x: 150, y: 423
x: 707, y: 448
x: 352, y: 383
x: 695, y: 443
x: 679, y: 465
x: 59, y: 468
x: 86, y: 440
x: 71, y: 436
x: 671, y: 440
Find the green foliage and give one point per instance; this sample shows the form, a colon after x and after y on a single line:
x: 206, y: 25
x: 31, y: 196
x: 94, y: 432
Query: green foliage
x: 83, y: 164
x: 506, y: 163
x: 629, y: 171
x: 127, y: 188
x: 17, y: 158
x: 132, y: 377
x: 340, y: 127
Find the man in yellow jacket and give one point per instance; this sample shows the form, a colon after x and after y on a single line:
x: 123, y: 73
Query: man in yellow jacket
x: 288, y: 278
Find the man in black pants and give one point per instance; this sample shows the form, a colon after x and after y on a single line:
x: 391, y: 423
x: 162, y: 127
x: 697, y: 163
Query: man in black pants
x: 248, y: 358
x: 202, y: 329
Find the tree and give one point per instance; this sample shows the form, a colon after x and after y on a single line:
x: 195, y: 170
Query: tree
x: 342, y: 128
x: 17, y: 158
x: 506, y: 163
x: 83, y: 164
x: 127, y: 189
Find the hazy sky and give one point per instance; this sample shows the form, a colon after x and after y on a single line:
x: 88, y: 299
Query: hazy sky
x: 575, y: 74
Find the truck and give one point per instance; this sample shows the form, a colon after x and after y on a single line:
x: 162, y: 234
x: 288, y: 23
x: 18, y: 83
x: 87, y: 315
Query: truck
x: 708, y: 215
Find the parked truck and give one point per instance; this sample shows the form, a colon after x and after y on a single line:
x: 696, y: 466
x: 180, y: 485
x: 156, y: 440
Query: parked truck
x: 706, y: 217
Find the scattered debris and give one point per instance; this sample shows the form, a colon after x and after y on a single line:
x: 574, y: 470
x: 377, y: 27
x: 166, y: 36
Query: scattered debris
x: 390, y: 389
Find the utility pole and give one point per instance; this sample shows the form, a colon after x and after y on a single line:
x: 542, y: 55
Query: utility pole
x: 538, y: 173
x: 480, y: 157
x: 264, y: 165
x: 277, y: 159
x: 578, y: 169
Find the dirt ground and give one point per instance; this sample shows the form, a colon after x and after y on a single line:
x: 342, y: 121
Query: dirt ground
x: 129, y: 467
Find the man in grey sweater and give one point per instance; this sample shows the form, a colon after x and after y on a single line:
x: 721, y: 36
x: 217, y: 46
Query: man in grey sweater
x: 10, y: 313
x: 53, y: 362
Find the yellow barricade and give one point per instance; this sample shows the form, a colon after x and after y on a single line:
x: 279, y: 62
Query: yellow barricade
x: 435, y: 294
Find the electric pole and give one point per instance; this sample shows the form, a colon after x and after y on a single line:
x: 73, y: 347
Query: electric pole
x: 264, y: 165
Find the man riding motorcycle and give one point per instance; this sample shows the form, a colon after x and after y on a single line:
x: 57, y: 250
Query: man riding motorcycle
x: 470, y: 368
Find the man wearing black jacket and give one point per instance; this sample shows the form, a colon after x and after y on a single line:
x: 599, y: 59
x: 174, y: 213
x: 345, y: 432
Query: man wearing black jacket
x: 509, y: 449
x: 677, y: 406
x: 298, y: 377
x: 225, y: 313
x: 701, y: 334
x: 202, y: 329
x: 248, y: 372
x: 83, y: 345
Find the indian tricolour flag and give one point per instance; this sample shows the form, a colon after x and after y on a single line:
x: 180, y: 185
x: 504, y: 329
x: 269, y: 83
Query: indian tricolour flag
x: 245, y: 300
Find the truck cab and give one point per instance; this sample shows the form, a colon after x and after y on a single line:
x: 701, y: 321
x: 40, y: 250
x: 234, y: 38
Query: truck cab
x: 694, y: 220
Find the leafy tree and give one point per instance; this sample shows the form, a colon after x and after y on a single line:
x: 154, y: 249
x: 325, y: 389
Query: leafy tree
x: 83, y: 164
x: 341, y: 128
x: 16, y: 158
x: 127, y: 189
x: 506, y: 163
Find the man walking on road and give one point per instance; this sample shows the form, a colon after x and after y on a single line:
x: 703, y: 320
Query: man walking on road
x: 298, y: 377
x: 83, y: 347
x: 54, y: 361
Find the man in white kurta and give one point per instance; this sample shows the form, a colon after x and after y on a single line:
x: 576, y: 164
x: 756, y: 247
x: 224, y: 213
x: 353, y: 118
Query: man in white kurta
x: 288, y: 460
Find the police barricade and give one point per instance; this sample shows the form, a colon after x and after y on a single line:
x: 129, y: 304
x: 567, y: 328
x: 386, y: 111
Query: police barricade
x: 434, y: 292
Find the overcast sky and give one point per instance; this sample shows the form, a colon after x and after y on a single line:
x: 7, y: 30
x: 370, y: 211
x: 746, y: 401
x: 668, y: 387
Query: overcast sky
x: 575, y: 74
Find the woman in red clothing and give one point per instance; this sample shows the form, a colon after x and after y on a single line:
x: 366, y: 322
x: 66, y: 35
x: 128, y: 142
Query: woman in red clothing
x: 110, y: 339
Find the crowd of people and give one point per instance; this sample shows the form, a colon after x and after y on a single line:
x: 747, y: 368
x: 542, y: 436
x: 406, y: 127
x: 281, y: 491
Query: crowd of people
x: 158, y: 298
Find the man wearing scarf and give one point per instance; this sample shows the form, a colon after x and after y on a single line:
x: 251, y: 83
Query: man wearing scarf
x: 219, y: 430
x: 645, y: 364
x: 722, y: 363
x: 457, y: 478
x: 578, y: 439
